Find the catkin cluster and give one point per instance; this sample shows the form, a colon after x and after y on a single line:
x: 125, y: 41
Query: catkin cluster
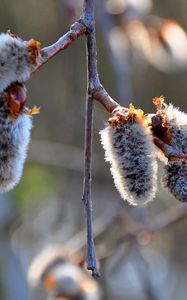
x: 17, y: 58
x: 129, y: 148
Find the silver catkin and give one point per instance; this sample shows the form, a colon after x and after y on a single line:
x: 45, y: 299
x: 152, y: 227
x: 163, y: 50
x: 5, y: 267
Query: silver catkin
x: 14, y: 140
x: 175, y: 171
x: 175, y: 178
x: 177, y: 122
x: 15, y: 60
x: 130, y: 151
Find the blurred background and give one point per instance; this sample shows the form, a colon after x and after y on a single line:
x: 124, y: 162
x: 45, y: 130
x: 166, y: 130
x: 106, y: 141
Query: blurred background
x: 142, y: 53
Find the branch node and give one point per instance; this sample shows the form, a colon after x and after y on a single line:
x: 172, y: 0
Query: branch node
x: 104, y: 98
x: 78, y: 28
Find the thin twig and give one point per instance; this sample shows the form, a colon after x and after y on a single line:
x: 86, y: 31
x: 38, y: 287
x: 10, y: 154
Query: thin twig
x: 91, y: 260
x: 77, y: 29
x: 104, y: 99
x: 93, y: 83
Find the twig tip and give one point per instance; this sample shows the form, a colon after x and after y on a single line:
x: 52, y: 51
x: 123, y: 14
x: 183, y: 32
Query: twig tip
x: 95, y: 271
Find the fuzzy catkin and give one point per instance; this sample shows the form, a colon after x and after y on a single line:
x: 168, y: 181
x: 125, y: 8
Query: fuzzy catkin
x: 177, y: 122
x: 175, y: 171
x: 130, y: 151
x: 14, y: 140
x: 15, y: 60
x: 175, y: 178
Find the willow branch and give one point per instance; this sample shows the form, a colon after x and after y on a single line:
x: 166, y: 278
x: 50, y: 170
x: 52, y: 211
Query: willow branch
x: 105, y: 99
x: 76, y: 30
x: 91, y: 260
x: 92, y: 84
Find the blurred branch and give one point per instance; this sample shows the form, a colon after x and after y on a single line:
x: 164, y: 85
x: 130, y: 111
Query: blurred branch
x: 143, y: 274
x: 161, y: 222
x: 61, y: 155
x: 168, y: 218
x: 133, y: 229
x: 119, y: 65
x: 100, y: 225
